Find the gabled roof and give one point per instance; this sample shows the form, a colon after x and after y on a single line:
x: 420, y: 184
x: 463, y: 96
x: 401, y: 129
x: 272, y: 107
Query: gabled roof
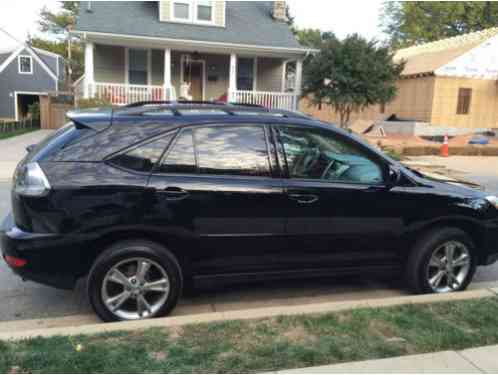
x: 247, y: 23
x: 8, y: 56
x: 427, y: 58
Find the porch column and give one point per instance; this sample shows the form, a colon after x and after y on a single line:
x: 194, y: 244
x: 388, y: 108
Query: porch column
x: 232, y: 85
x: 89, y: 88
x: 299, y: 82
x: 167, y: 90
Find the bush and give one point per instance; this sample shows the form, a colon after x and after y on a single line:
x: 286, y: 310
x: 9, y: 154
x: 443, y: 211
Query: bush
x: 92, y: 103
x: 34, y: 111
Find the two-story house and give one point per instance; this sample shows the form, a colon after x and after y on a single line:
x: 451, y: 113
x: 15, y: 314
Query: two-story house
x: 26, y: 73
x: 237, y: 51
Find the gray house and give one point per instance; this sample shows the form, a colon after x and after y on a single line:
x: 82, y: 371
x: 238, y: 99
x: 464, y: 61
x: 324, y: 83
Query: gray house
x: 25, y: 74
x: 238, y: 51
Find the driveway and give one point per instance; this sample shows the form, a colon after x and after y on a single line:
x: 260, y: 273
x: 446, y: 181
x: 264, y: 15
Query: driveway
x: 12, y: 150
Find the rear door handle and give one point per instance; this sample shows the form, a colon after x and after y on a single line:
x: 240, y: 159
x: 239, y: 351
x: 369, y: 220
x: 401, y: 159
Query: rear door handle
x: 174, y: 193
x: 304, y: 198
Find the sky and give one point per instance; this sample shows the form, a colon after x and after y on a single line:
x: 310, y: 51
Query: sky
x: 343, y: 17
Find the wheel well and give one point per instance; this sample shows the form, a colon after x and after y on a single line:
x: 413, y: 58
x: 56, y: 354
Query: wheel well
x: 473, y: 230
x: 173, y: 245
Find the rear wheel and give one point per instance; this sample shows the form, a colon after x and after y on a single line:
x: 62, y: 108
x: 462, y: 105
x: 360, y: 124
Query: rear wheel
x: 134, y: 280
x: 443, y: 261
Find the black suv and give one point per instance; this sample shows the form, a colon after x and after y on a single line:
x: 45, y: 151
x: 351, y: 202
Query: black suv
x: 148, y: 198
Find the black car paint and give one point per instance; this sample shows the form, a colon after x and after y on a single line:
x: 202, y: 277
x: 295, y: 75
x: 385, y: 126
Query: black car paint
x: 227, y: 226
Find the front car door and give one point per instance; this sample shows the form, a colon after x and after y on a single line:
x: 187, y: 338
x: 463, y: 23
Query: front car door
x: 341, y: 214
x: 215, y: 188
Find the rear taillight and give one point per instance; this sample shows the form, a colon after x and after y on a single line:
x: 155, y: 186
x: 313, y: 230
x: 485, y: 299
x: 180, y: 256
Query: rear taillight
x: 15, y: 262
x: 29, y: 180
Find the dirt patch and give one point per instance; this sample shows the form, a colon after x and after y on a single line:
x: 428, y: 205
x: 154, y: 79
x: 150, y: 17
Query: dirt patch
x: 297, y: 334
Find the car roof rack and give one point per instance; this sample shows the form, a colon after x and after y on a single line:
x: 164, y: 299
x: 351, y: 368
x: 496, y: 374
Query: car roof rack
x: 177, y: 107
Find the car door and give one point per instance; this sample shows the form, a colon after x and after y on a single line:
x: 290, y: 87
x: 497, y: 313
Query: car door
x: 215, y: 191
x: 341, y: 213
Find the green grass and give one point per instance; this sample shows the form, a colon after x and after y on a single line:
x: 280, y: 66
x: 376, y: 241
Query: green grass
x: 266, y: 344
x: 14, y: 133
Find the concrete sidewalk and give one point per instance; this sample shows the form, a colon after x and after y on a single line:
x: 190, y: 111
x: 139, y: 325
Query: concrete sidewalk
x: 12, y: 150
x: 471, y: 361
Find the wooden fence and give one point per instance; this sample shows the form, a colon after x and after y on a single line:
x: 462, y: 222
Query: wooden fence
x: 52, y: 112
x: 10, y: 126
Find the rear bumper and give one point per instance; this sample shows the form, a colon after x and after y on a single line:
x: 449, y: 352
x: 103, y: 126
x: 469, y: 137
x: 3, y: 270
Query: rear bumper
x: 42, y: 254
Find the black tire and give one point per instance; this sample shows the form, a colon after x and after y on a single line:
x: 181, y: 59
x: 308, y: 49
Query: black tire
x: 418, y: 260
x: 130, y: 249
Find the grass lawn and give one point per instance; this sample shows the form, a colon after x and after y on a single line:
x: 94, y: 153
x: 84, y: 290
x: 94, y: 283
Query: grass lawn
x: 13, y: 133
x: 265, y: 344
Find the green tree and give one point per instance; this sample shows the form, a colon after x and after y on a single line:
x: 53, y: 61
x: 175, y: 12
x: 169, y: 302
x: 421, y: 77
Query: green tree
x: 350, y: 75
x: 312, y: 38
x: 57, y: 26
x: 414, y: 22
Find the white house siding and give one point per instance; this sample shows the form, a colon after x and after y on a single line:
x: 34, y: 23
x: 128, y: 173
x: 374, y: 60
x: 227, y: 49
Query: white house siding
x: 270, y: 74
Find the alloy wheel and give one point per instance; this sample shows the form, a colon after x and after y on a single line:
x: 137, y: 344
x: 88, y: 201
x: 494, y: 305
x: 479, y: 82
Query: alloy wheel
x: 448, y: 267
x: 135, y: 288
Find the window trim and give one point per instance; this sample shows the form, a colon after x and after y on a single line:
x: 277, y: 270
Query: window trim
x: 281, y: 154
x: 192, y: 12
x: 30, y: 64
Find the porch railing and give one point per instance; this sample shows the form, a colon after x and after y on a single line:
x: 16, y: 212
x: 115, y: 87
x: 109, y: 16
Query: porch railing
x: 274, y: 100
x: 120, y: 94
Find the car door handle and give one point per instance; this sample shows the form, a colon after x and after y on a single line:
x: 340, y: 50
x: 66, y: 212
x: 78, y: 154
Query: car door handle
x: 174, y: 193
x: 304, y: 198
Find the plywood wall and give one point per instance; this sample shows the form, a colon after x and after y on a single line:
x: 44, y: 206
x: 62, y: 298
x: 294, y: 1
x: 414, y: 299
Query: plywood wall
x: 483, y: 107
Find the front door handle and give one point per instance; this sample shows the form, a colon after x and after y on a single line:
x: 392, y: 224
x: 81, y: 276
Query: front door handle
x: 174, y: 193
x: 304, y: 198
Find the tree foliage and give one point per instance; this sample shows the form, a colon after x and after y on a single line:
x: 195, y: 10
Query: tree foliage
x: 350, y: 75
x: 57, y: 26
x: 414, y: 22
x: 312, y: 38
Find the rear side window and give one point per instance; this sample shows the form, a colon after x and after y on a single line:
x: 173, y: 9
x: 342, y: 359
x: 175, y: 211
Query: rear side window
x: 144, y: 157
x: 181, y: 157
x: 237, y: 150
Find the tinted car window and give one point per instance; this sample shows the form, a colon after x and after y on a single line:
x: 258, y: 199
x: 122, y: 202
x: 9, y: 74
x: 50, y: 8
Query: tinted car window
x: 60, y: 139
x: 237, y: 150
x: 320, y: 154
x: 181, y: 157
x: 145, y: 156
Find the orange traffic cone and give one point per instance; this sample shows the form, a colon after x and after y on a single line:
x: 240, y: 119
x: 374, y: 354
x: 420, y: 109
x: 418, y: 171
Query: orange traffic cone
x: 444, y: 152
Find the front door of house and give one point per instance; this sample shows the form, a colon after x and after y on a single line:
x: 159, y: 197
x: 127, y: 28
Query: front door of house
x: 196, y: 80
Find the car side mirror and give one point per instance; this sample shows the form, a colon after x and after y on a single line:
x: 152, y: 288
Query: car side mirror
x: 30, y: 148
x: 393, y: 177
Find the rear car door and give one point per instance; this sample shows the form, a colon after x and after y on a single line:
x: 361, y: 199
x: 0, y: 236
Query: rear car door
x: 215, y: 191
x: 341, y: 213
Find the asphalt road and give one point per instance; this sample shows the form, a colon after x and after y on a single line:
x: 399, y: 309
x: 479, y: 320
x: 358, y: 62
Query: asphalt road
x: 27, y: 300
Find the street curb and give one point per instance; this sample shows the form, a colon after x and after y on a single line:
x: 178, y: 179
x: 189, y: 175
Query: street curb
x: 258, y: 313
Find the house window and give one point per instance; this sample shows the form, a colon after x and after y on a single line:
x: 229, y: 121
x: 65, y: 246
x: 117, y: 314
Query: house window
x: 245, y: 74
x: 137, y: 67
x: 25, y: 64
x: 204, y: 11
x: 464, y: 101
x: 181, y: 10
x: 195, y: 11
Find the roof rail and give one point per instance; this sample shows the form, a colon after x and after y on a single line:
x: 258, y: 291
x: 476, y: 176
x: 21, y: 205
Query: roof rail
x: 172, y: 102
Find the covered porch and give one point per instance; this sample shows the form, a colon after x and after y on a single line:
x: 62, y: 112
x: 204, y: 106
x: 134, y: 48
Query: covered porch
x: 124, y: 74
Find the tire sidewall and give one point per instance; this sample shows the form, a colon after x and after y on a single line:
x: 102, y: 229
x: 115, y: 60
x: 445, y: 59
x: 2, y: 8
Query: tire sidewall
x: 436, y: 241
x: 135, y: 249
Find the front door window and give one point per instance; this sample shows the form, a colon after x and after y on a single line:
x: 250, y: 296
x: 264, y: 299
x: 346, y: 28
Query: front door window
x: 320, y: 155
x: 137, y: 67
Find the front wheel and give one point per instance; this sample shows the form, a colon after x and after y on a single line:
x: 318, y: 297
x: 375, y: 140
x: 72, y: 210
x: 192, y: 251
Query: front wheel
x: 442, y: 261
x: 134, y: 280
